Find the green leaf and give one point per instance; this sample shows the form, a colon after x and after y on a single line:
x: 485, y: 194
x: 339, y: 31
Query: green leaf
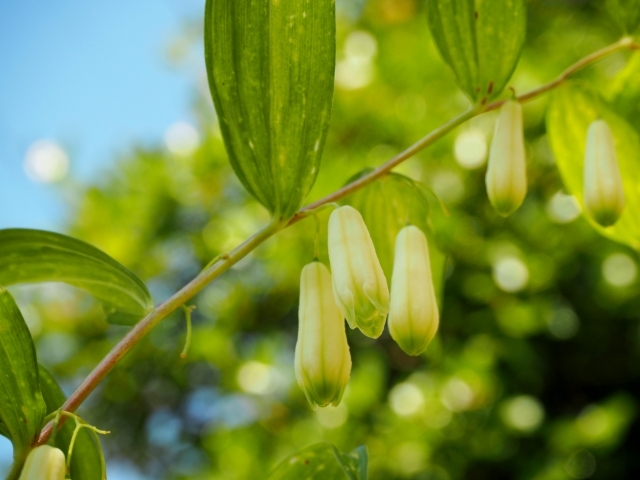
x: 323, y: 462
x: 573, y: 107
x: 626, y: 13
x: 388, y: 205
x: 22, y: 408
x: 362, y: 461
x: 481, y: 40
x: 625, y: 90
x: 4, y: 431
x: 271, y: 67
x: 87, y: 460
x: 28, y: 256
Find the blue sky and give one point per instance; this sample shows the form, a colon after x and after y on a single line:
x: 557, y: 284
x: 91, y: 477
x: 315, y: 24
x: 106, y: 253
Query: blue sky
x: 91, y: 76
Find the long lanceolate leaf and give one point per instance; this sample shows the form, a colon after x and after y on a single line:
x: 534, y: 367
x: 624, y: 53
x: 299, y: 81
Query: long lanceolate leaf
x: 87, y: 460
x: 22, y: 408
x: 481, y: 40
x: 28, y: 256
x: 271, y: 70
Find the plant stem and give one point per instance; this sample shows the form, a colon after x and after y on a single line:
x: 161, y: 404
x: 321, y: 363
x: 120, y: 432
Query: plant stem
x: 386, y: 167
x: 152, y: 319
x: 622, y: 44
x: 224, y: 262
x: 625, y: 43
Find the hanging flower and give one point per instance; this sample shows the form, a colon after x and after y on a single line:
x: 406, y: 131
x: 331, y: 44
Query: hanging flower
x: 507, y: 172
x: 322, y: 358
x: 44, y: 463
x: 603, y: 190
x: 359, y: 284
x: 414, y: 316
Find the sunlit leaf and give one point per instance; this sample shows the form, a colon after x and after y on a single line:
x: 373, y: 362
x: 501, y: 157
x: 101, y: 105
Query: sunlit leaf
x: 481, y: 40
x: 22, y: 408
x: 625, y: 90
x: 573, y: 107
x: 323, y: 462
x: 87, y: 460
x: 388, y: 205
x: 28, y: 256
x: 271, y: 69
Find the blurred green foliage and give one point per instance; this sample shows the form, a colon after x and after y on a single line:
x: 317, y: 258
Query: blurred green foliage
x: 534, y: 372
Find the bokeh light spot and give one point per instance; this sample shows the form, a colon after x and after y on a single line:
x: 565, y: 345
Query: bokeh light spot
x: 457, y: 395
x: 594, y: 422
x: 563, y: 208
x: 332, y: 417
x: 410, y: 457
x: 356, y: 69
x: 620, y: 270
x: 563, y: 323
x: 510, y: 274
x: 436, y: 416
x: 406, y: 399
x: 354, y: 73
x: 55, y: 348
x: 523, y: 413
x: 581, y: 464
x: 256, y: 377
x: 448, y: 186
x: 46, y: 162
x: 360, y: 44
x: 182, y: 139
x: 470, y: 149
x: 163, y: 428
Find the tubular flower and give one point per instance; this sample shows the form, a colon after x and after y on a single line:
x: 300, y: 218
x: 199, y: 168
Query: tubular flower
x: 44, y: 463
x: 322, y: 358
x: 359, y: 285
x: 603, y: 190
x: 414, y: 316
x: 507, y: 172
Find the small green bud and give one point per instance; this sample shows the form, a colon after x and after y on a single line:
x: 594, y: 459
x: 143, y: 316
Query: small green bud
x: 603, y: 190
x: 507, y: 172
x: 359, y: 284
x: 414, y: 316
x: 44, y: 463
x: 322, y: 358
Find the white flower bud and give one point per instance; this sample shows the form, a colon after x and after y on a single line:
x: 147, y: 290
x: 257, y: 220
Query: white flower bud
x: 44, y: 463
x: 507, y: 172
x: 603, y: 190
x: 322, y: 358
x: 359, y: 284
x: 414, y: 316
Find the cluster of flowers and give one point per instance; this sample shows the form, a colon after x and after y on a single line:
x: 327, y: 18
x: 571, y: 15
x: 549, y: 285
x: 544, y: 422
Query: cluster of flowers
x: 506, y: 179
x: 44, y: 463
x: 358, y: 291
